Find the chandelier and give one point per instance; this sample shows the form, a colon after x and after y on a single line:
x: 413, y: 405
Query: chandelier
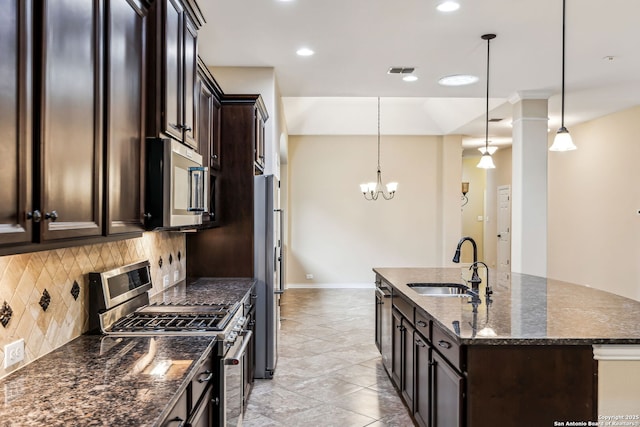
x: 373, y: 190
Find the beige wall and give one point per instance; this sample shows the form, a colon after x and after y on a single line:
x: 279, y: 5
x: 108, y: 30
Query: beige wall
x: 338, y: 236
x: 594, y: 199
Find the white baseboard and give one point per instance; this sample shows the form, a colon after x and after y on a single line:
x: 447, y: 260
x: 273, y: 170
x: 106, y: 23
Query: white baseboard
x: 329, y: 286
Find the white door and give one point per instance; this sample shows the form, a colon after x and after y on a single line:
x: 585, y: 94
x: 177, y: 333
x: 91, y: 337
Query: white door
x: 504, y: 232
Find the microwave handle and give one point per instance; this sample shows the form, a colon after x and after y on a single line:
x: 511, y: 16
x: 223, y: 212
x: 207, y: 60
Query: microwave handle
x: 203, y: 194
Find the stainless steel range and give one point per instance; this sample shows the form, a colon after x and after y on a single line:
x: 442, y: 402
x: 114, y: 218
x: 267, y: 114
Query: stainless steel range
x: 119, y: 305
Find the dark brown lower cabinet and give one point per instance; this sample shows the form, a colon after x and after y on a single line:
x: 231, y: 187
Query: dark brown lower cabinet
x: 447, y: 398
x: 408, y: 373
x: 422, y: 370
x: 398, y: 348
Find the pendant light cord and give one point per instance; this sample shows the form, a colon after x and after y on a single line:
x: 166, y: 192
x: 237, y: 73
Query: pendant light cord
x: 486, y: 127
x: 378, y: 134
x: 563, y: 43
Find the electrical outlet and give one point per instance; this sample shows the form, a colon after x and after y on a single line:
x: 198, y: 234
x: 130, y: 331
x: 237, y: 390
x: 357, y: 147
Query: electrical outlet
x: 165, y: 281
x: 176, y: 276
x: 13, y: 353
x: 309, y: 276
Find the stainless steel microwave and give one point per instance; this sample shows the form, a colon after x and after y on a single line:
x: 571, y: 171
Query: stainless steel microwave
x: 176, y: 185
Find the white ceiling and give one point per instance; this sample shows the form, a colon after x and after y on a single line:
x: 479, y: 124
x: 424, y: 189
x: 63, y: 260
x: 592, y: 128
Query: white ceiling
x: 356, y: 41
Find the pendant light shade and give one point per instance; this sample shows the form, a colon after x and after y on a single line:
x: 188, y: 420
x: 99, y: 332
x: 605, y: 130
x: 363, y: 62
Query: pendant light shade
x: 563, y: 141
x: 486, y: 161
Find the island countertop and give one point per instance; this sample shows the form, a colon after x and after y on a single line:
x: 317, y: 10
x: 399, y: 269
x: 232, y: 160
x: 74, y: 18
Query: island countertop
x: 523, y: 310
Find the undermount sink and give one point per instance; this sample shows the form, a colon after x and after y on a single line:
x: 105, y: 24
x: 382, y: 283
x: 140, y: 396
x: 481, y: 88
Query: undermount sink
x: 440, y: 289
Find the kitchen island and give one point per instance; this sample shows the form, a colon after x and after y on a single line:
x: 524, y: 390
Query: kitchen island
x: 525, y: 354
x: 117, y: 381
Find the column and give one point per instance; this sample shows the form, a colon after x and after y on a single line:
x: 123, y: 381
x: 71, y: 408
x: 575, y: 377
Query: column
x: 529, y: 183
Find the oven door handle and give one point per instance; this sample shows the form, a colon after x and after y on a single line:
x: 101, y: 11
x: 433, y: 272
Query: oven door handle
x: 235, y: 360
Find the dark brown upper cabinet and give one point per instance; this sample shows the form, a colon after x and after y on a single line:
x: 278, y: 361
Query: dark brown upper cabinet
x: 208, y: 120
x: 16, y: 51
x: 72, y: 96
x: 70, y: 127
x: 125, y: 43
x: 208, y: 116
x: 172, y: 95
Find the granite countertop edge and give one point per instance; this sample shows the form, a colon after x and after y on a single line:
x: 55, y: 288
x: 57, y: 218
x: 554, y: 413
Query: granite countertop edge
x: 549, y: 299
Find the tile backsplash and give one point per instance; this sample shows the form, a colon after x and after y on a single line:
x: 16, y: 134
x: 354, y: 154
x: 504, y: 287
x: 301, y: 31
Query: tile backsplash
x: 44, y: 296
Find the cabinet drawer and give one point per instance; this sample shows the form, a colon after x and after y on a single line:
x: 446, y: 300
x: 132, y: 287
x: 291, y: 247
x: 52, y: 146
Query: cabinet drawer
x: 423, y: 325
x: 446, y: 346
x: 403, y: 307
x: 203, y: 377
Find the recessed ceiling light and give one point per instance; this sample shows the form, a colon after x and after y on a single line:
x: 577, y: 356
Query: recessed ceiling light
x: 305, y: 51
x: 410, y: 78
x: 458, y: 80
x: 448, y: 6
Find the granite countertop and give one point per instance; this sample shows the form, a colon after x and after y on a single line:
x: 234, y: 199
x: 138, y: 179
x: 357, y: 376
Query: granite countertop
x: 206, y: 289
x: 98, y: 380
x: 523, y: 309
x: 102, y: 381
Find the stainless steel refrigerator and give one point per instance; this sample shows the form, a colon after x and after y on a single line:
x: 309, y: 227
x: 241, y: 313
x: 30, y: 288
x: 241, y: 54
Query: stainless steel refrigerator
x: 269, y: 271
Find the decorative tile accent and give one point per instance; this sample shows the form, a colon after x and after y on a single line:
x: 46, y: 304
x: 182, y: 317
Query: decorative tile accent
x: 24, y: 277
x: 170, y: 259
x: 160, y: 262
x: 45, y: 300
x: 179, y: 256
x: 75, y: 290
x: 5, y: 314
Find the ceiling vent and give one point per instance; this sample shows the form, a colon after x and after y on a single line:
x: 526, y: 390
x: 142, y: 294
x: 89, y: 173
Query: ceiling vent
x: 401, y: 70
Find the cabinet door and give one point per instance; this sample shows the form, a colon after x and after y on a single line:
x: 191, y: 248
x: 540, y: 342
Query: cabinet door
x: 259, y: 142
x: 396, y: 356
x: 214, y: 153
x: 15, y: 121
x: 408, y: 350
x: 125, y: 46
x: 422, y: 378
x: 71, y: 139
x: 189, y: 66
x: 205, y: 119
x: 447, y: 394
x: 172, y: 98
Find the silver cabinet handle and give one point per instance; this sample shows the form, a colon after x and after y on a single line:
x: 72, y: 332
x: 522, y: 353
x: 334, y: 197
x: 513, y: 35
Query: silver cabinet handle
x: 444, y: 344
x: 235, y: 360
x: 208, y: 377
x: 36, y: 216
x: 53, y: 215
x: 422, y: 323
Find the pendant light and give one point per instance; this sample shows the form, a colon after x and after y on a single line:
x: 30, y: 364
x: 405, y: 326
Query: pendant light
x: 373, y: 190
x: 486, y: 161
x: 563, y: 141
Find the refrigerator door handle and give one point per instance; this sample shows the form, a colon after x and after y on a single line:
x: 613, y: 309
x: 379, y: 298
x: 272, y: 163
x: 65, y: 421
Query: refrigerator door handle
x: 280, y: 258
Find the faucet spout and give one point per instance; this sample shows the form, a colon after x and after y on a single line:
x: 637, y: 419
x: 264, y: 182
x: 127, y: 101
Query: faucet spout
x: 475, y: 279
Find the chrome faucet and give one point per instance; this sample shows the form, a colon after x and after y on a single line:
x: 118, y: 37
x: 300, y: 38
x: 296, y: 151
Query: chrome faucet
x: 475, y: 279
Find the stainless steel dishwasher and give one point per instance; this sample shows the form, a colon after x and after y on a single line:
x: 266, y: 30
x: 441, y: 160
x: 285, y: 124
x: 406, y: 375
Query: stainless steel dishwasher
x: 383, y: 322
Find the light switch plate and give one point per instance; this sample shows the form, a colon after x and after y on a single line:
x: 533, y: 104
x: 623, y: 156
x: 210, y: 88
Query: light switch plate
x: 13, y: 353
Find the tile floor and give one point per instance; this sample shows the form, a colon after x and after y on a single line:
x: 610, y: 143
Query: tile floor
x: 329, y: 371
